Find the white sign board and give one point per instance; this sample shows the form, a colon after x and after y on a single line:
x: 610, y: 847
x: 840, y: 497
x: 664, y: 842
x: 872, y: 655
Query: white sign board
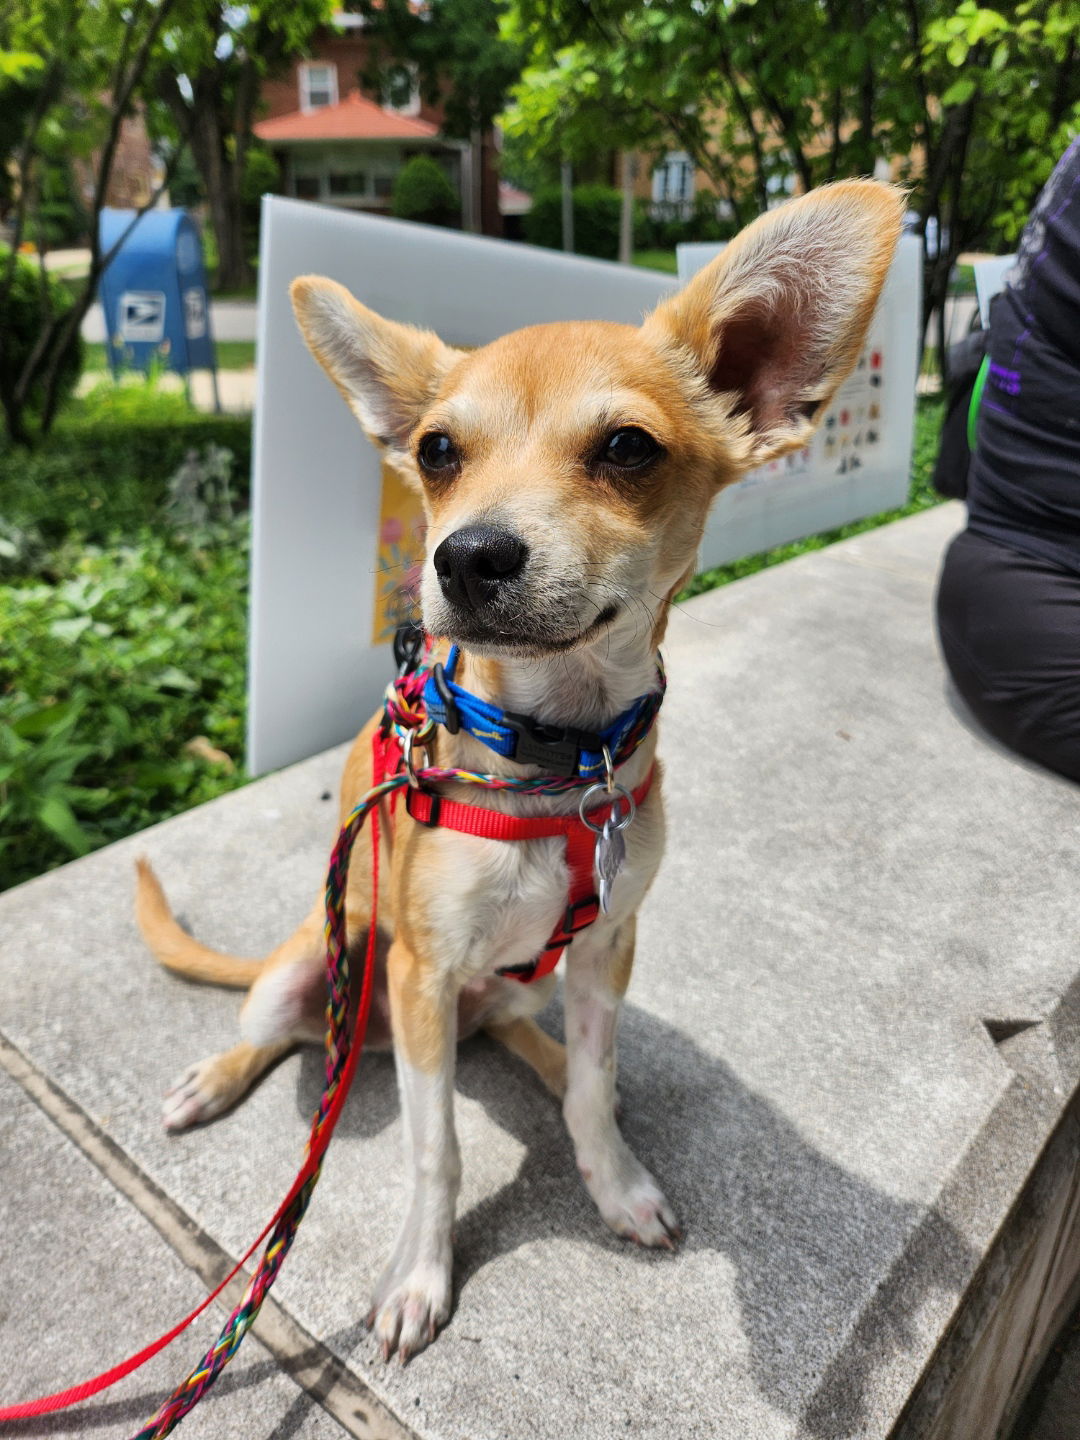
x: 334, y: 534
x: 858, y: 463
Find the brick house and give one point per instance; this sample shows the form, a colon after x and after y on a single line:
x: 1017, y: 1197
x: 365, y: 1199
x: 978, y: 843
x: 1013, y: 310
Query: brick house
x: 341, y: 146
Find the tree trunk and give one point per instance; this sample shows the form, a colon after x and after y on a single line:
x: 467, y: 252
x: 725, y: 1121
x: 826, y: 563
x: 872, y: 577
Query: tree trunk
x: 199, y: 122
x: 567, y: 177
x: 626, y: 215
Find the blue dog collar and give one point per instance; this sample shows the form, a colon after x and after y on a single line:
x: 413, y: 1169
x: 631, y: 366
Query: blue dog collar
x: 559, y: 750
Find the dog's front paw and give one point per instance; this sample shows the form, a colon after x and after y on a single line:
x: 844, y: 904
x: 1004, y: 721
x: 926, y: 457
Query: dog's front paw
x: 633, y: 1205
x: 199, y: 1094
x: 409, y: 1311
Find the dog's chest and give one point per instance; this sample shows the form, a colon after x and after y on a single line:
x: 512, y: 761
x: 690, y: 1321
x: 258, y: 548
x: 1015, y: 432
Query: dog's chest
x: 500, y: 901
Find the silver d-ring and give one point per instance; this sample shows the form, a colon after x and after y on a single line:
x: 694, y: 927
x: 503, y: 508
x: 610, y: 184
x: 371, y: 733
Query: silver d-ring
x: 614, y: 795
x: 407, y: 757
x: 609, y: 771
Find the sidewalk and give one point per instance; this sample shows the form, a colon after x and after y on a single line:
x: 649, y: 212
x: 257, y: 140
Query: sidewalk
x: 849, y: 1054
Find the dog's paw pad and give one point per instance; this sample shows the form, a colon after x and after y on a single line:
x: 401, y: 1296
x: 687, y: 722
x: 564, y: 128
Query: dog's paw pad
x: 193, y: 1097
x: 639, y: 1211
x: 411, y: 1314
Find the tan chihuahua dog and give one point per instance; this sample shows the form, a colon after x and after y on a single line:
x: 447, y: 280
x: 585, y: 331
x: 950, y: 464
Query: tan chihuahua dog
x: 567, y: 470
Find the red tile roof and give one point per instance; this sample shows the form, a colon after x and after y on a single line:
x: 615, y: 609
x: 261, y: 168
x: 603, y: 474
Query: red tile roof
x: 354, y: 118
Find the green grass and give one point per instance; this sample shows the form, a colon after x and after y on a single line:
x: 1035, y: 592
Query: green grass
x: 231, y: 355
x: 657, y: 260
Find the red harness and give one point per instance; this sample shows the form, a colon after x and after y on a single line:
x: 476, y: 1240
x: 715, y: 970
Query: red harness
x: 583, y: 904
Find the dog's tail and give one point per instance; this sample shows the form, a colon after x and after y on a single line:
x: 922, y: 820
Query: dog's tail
x: 175, y: 948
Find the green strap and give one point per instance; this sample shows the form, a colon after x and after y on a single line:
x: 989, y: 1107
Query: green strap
x: 976, y: 400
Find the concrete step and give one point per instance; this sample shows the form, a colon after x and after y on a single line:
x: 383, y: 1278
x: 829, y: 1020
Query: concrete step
x: 849, y: 1053
x: 88, y: 1280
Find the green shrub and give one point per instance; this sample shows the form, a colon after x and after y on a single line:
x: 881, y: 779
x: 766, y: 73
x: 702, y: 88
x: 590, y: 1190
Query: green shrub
x: 105, y: 469
x: 59, y: 217
x: 106, y: 675
x: 597, y: 209
x: 423, y: 192
x: 661, y: 227
x: 32, y: 301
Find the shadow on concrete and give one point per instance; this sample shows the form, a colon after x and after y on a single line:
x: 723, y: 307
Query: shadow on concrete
x: 136, y: 1410
x: 807, y: 1239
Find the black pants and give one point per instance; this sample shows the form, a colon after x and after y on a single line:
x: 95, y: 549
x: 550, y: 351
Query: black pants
x: 1010, y: 631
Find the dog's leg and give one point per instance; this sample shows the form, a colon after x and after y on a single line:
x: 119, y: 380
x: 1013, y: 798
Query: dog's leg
x: 206, y: 1089
x: 285, y: 1007
x: 626, y: 1195
x: 523, y: 1037
x: 412, y: 1299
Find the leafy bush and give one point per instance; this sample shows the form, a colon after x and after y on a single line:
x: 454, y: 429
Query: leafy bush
x: 423, y: 192
x: 60, y: 218
x: 262, y: 176
x: 597, y: 210
x: 105, y: 468
x: 123, y: 580
x: 106, y: 676
x: 33, y: 299
x: 662, y: 226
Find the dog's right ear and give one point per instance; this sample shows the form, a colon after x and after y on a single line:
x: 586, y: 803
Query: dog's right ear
x: 388, y: 373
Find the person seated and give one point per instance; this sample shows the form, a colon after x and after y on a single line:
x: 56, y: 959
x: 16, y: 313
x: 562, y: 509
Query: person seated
x: 1008, y: 600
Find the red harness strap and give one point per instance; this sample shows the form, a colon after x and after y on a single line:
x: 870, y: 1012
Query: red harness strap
x: 583, y: 905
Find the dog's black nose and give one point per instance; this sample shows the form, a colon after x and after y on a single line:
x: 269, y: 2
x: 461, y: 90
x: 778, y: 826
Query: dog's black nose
x: 473, y: 562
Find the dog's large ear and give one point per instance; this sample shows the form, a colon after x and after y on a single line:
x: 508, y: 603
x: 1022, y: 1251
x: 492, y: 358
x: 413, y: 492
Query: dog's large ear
x: 773, y: 325
x: 388, y: 373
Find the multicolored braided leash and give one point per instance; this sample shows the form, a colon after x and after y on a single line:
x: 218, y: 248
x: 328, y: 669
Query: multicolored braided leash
x: 406, y: 725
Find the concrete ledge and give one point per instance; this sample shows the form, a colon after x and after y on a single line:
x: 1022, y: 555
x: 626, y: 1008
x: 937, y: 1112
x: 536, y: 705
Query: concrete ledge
x: 849, y: 1053
x: 87, y: 1281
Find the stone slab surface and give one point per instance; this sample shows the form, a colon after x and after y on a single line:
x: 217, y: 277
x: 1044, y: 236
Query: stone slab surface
x: 855, y: 882
x: 85, y: 1281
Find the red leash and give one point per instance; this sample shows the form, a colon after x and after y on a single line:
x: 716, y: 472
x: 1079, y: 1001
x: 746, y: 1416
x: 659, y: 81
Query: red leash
x: 62, y: 1399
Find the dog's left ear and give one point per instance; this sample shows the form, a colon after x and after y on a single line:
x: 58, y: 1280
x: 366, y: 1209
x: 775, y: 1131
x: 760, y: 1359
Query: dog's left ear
x: 773, y: 325
x: 388, y: 373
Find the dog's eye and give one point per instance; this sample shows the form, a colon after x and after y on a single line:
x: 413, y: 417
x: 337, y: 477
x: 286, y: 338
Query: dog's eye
x: 628, y: 449
x: 437, y: 452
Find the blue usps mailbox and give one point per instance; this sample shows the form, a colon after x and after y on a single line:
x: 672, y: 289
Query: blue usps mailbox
x: 153, y: 293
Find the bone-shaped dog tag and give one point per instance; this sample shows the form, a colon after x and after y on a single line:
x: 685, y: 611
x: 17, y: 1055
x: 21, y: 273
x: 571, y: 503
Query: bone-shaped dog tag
x: 608, y: 861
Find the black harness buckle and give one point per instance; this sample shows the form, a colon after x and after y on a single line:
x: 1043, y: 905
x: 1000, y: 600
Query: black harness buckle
x: 551, y: 746
x: 442, y: 685
x: 408, y: 647
x: 432, y: 819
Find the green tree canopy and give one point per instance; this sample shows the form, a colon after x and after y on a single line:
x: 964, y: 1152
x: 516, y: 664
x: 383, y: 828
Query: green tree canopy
x: 973, y: 103
x: 457, y: 49
x: 71, y: 72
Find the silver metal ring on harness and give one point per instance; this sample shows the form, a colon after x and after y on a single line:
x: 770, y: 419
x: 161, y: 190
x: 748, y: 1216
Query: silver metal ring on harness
x: 407, y: 756
x: 609, y: 772
x: 614, y: 795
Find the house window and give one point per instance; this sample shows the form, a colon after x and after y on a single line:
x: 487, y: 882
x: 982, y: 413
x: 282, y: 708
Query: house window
x: 673, y: 180
x: 401, y: 92
x: 318, y: 86
x: 384, y: 187
x: 344, y: 183
x: 306, y: 187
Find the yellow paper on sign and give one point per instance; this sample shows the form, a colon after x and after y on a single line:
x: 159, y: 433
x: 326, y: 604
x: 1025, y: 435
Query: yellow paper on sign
x: 402, y: 526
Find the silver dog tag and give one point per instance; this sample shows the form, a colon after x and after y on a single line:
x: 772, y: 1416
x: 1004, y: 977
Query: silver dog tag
x: 608, y: 860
